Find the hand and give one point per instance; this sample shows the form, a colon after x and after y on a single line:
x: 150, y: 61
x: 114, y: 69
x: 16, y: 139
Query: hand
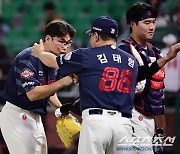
x: 170, y: 55
x: 66, y: 108
x: 173, y: 51
x: 75, y: 79
x: 37, y: 48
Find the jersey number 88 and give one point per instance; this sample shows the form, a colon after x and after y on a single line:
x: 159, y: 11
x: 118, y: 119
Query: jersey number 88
x: 109, y: 80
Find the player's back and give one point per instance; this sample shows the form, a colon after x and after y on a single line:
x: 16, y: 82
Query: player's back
x: 108, y: 79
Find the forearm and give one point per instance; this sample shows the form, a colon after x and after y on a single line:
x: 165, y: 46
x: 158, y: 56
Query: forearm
x: 48, y: 59
x: 41, y: 92
x: 162, y: 61
x: 146, y: 71
x: 160, y: 121
x: 54, y: 101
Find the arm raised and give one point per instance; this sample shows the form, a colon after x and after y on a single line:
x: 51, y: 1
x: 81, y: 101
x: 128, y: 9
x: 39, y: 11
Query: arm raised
x: 47, y: 58
x: 170, y: 55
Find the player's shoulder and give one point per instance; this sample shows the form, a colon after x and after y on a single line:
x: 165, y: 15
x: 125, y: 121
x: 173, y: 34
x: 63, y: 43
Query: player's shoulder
x: 127, y: 54
x: 124, y: 46
x: 75, y: 54
x: 81, y: 51
x: 26, y: 54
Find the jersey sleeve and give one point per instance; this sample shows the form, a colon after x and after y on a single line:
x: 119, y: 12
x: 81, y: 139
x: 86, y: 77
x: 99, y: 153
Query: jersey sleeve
x: 70, y: 63
x: 26, y: 75
x: 146, y: 71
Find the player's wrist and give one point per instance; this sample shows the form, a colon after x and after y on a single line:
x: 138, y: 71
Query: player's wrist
x: 66, y: 81
x: 167, y: 58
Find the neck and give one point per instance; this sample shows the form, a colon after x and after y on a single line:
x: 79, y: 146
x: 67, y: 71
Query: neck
x: 46, y: 48
x: 104, y: 43
x: 140, y: 41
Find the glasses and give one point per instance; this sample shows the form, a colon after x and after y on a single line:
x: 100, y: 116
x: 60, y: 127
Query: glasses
x: 63, y: 42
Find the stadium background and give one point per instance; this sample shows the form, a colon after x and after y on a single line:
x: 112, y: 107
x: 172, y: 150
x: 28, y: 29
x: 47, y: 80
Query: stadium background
x: 21, y: 25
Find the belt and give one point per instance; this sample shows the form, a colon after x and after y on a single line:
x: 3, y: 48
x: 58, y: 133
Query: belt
x: 110, y: 112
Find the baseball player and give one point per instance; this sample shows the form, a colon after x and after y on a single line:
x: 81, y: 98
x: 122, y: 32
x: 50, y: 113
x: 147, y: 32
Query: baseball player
x: 107, y: 79
x: 30, y: 86
x: 149, y: 93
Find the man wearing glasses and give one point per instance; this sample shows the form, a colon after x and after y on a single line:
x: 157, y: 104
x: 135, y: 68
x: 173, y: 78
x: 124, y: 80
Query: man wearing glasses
x: 29, y: 87
x: 62, y: 42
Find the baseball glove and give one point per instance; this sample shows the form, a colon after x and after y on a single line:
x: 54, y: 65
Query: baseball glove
x: 67, y: 126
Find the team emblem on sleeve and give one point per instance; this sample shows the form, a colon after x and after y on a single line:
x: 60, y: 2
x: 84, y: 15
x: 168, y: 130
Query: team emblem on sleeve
x: 26, y: 73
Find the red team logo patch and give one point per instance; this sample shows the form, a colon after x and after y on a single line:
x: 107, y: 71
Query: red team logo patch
x: 149, y: 13
x: 140, y: 118
x: 26, y: 74
x: 24, y: 116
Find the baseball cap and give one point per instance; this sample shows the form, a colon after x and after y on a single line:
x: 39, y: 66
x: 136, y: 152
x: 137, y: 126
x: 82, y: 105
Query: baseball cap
x: 104, y: 25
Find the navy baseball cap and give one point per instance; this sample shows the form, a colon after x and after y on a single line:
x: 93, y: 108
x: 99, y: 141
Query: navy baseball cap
x: 105, y: 25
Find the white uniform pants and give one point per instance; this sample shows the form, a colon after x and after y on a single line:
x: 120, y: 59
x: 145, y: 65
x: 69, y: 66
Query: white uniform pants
x: 144, y: 128
x: 101, y: 133
x: 22, y: 130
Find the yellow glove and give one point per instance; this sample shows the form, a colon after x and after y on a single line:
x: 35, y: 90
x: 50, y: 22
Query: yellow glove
x: 67, y: 126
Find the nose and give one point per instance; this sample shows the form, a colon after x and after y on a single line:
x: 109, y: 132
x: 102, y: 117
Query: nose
x: 152, y: 26
x: 65, y: 47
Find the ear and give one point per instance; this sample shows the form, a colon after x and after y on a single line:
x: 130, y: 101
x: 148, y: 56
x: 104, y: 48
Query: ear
x: 48, y: 38
x: 132, y: 24
x: 96, y: 35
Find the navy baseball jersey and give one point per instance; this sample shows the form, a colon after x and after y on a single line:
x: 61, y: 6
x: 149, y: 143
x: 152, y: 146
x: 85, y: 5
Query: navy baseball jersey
x: 107, y: 77
x: 150, y: 100
x: 25, y: 74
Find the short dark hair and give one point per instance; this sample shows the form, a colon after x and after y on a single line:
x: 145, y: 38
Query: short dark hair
x: 59, y: 28
x: 137, y: 10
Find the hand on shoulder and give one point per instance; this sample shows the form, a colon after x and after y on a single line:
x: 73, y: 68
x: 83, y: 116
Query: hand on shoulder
x: 37, y: 48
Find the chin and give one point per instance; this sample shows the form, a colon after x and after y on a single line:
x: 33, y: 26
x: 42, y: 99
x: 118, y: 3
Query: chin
x: 60, y: 52
x: 149, y: 38
x: 63, y: 52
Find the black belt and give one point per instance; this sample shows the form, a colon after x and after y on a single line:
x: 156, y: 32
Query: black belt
x: 100, y: 111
